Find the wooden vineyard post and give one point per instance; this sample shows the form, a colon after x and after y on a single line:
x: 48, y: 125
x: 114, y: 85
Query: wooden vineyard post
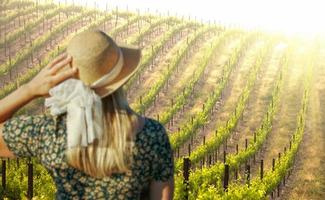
x: 254, y: 153
x: 273, y: 168
x: 215, y: 156
x: 177, y: 152
x: 30, y: 180
x: 186, y: 174
x: 216, y: 151
x: 236, y: 171
x: 284, y: 179
x: 225, y: 144
x: 262, y: 170
x: 189, y: 150
x: 203, y: 160
x: 172, y: 119
x: 248, y: 174
x: 226, y: 178
x: 10, y: 74
x: 224, y: 156
x: 237, y: 149
x: 246, y: 143
x: 254, y: 137
x: 3, y: 174
x: 290, y: 145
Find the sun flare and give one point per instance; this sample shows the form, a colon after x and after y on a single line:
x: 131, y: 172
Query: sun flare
x: 289, y: 17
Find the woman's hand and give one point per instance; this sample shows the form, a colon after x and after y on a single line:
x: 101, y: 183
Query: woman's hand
x: 51, y: 75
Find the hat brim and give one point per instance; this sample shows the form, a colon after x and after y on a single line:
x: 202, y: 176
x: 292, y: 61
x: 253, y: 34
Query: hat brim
x: 131, y: 63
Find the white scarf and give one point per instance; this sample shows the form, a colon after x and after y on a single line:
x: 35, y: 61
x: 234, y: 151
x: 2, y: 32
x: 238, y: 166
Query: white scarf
x: 84, y: 111
x: 83, y: 106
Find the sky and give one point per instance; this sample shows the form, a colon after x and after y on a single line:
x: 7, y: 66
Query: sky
x: 302, y: 17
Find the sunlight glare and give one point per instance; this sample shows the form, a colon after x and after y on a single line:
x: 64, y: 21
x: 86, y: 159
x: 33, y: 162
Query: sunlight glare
x: 299, y: 17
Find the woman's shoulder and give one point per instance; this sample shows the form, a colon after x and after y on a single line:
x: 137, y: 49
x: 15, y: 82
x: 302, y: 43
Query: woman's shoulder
x: 34, y: 118
x: 154, y: 131
x: 153, y: 126
x: 44, y: 117
x: 31, y: 135
x: 39, y: 121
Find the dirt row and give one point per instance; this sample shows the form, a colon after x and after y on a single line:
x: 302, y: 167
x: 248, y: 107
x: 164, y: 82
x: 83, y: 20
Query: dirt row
x: 229, y: 93
x: 257, y: 104
x: 39, y: 55
x: 155, y: 69
x: 308, y: 178
x: 19, y: 21
x: 26, y: 39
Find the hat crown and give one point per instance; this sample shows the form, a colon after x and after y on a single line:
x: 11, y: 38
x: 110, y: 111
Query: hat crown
x: 94, y: 54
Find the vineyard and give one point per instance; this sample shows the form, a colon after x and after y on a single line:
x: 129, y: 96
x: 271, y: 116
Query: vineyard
x: 243, y: 109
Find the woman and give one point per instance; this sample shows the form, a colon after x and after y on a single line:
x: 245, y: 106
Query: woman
x: 91, y: 142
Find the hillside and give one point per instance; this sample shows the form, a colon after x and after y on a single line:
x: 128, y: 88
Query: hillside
x: 245, y: 107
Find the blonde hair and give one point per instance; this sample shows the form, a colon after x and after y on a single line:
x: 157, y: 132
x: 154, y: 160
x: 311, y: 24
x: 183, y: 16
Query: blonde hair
x: 113, y: 152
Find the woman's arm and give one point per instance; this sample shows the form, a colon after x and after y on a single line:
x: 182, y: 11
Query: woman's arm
x: 39, y: 86
x: 162, y: 190
x: 17, y: 99
x: 9, y: 105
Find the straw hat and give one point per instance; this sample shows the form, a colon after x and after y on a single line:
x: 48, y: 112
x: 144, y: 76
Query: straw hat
x: 102, y: 64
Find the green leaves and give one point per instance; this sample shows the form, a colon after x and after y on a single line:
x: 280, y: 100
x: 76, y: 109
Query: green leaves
x: 148, y: 55
x: 206, y: 56
x: 32, y: 24
x: 188, y: 129
x: 17, y: 181
x: 260, y: 188
x: 25, y: 53
x: 53, y: 53
x: 173, y: 63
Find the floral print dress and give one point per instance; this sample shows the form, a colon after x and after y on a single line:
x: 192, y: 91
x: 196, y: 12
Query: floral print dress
x: 44, y: 136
